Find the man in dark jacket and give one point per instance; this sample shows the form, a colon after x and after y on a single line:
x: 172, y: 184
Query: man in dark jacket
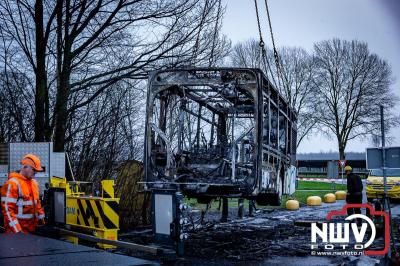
x: 354, y: 189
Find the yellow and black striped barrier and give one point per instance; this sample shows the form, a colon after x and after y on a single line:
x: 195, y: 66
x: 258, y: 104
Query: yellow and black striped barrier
x: 98, y: 216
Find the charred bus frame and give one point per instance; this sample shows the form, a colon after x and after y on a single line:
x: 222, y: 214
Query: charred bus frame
x: 218, y: 132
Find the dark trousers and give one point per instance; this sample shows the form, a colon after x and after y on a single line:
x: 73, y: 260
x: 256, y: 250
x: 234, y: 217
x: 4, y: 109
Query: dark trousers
x: 354, y: 198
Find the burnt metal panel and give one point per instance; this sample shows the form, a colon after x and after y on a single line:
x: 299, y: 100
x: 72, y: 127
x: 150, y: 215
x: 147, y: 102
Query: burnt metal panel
x: 215, y: 131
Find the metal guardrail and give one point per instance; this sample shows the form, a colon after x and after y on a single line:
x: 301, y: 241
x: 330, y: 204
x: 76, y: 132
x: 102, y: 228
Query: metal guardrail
x: 148, y: 249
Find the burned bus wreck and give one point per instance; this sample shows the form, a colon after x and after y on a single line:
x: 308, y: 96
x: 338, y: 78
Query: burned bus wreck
x: 219, y: 132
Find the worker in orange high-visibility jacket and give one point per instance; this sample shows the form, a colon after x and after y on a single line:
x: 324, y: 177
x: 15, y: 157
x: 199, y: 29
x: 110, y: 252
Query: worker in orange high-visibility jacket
x: 20, y: 202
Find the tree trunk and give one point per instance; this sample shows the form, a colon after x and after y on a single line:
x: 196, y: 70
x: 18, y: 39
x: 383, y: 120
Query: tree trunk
x: 61, y: 112
x: 63, y: 83
x: 341, y: 151
x: 41, y: 94
x: 61, y: 106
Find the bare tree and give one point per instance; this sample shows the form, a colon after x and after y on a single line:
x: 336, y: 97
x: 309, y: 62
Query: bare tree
x: 14, y: 111
x: 351, y: 83
x: 293, y: 79
x: 74, y: 71
x: 102, y: 134
x: 94, y: 38
x: 296, y: 79
x: 25, y: 29
x: 247, y: 54
x: 16, y: 94
x: 84, y: 47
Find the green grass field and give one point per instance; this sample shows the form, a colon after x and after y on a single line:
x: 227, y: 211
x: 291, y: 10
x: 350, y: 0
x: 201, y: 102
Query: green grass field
x: 314, y: 185
x: 313, y: 188
x: 302, y: 196
x: 304, y: 190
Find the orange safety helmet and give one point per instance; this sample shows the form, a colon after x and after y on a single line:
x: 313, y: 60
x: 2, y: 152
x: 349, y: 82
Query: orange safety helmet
x: 33, y: 161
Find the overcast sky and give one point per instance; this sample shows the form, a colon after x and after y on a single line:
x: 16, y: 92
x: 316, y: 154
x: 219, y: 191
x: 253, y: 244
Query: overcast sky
x: 303, y: 22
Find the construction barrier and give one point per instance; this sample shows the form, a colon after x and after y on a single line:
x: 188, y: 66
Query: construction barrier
x: 96, y: 215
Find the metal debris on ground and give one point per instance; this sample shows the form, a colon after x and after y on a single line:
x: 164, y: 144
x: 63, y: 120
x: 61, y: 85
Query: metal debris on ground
x: 246, y: 242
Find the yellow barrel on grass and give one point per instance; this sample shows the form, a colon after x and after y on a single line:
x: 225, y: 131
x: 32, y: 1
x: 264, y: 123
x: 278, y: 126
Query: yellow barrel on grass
x: 329, y: 198
x: 314, y: 201
x: 292, y: 205
x: 340, y: 195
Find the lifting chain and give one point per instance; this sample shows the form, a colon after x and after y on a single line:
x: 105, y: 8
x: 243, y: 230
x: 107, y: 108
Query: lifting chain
x: 263, y: 54
x: 278, y: 61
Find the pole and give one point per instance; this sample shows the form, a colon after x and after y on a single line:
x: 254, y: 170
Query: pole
x: 251, y: 208
x: 342, y: 171
x: 386, y: 204
x: 240, y: 208
x: 334, y: 178
x: 70, y: 166
x: 224, y: 217
x: 383, y: 154
x: 233, y: 150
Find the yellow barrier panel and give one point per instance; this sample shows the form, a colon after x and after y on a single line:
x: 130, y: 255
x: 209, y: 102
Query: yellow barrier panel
x: 98, y: 216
